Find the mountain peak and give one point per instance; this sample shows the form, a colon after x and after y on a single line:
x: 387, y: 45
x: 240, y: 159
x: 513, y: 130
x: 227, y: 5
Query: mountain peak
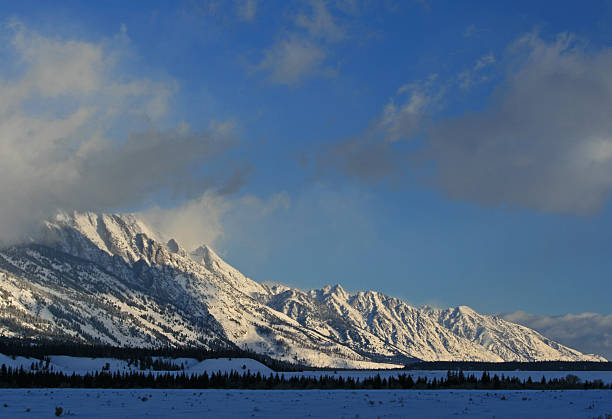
x: 332, y: 291
x: 89, y: 223
x: 339, y: 291
x: 466, y: 310
x: 275, y: 287
x: 173, y: 246
x: 205, y: 254
x: 85, y: 233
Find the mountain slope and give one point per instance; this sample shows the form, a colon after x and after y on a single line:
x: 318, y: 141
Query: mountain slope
x: 111, y: 279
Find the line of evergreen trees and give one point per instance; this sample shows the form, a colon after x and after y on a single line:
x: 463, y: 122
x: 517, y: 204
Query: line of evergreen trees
x: 511, y: 366
x: 21, y: 378
x: 40, y: 349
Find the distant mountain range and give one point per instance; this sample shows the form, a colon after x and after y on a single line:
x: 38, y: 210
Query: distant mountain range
x: 111, y: 279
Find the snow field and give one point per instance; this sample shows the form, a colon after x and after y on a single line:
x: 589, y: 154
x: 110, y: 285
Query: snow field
x: 96, y: 403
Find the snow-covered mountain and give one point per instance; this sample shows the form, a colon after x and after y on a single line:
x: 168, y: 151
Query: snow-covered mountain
x: 111, y: 279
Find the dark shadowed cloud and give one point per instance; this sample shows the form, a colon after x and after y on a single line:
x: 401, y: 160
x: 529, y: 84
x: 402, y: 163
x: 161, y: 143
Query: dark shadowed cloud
x: 375, y: 155
x: 544, y: 142
x: 360, y: 158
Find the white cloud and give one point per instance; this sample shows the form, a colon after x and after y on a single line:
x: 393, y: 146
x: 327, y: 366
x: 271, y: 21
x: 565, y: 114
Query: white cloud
x: 76, y: 132
x: 224, y: 128
x: 290, y: 60
x: 484, y: 61
x: 474, y: 75
x: 192, y: 224
x: 204, y: 220
x: 587, y: 332
x: 402, y: 120
x: 304, y: 50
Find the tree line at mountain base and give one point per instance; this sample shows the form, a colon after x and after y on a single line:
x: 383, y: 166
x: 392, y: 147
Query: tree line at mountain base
x: 144, y: 357
x: 41, y: 349
x: 21, y: 378
x: 511, y: 366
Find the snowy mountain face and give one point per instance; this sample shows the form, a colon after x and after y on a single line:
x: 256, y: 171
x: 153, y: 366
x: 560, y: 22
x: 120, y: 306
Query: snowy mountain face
x: 110, y: 279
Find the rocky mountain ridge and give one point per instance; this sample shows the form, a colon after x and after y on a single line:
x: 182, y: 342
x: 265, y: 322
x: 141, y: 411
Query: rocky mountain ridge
x: 110, y: 278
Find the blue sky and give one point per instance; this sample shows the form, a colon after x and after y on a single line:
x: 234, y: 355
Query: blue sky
x: 442, y: 152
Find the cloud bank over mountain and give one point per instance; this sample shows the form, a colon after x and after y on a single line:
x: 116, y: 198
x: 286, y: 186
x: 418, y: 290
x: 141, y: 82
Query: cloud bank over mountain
x: 587, y: 332
x: 79, y: 131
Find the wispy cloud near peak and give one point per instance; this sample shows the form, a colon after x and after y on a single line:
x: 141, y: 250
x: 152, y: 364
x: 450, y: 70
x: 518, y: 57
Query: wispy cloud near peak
x: 78, y: 132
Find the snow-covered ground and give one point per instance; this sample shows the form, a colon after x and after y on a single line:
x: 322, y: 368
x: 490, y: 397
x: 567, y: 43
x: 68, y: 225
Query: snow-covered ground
x: 228, y: 365
x: 81, y: 365
x: 99, y: 403
x: 94, y: 403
